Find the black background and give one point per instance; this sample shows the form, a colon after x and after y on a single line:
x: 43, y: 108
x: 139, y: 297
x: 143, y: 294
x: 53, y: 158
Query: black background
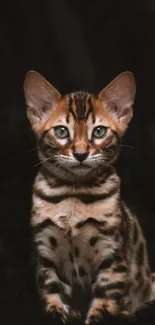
x: 76, y: 45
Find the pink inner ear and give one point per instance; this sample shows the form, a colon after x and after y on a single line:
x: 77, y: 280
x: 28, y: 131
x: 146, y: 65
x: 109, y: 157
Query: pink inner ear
x: 40, y: 96
x: 119, y: 95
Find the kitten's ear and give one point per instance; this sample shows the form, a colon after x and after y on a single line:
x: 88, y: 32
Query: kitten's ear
x: 40, y: 97
x: 119, y: 97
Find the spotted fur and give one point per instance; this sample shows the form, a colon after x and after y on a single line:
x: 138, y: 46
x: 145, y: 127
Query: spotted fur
x: 91, y: 252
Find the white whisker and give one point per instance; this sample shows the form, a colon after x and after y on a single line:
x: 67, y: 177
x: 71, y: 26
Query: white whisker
x: 42, y: 161
x: 25, y: 153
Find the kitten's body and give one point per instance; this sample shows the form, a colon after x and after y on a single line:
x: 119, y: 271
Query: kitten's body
x: 91, y: 253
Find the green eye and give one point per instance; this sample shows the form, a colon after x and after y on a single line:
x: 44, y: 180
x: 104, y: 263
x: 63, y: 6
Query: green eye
x: 61, y: 132
x: 99, y: 131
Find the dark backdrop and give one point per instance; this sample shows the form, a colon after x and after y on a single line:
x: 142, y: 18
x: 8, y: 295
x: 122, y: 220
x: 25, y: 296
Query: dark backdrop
x: 75, y: 45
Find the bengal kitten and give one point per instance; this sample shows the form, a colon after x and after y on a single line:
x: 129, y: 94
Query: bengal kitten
x: 91, y: 253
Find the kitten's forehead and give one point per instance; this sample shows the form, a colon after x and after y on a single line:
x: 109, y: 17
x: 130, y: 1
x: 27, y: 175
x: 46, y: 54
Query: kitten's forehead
x: 81, y: 106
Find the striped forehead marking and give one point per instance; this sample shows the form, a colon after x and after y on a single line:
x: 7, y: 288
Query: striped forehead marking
x: 80, y: 106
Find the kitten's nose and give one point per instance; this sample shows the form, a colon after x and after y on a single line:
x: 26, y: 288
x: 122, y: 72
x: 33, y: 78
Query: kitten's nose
x: 81, y: 156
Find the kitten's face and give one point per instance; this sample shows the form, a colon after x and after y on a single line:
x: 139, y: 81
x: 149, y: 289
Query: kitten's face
x: 79, y: 133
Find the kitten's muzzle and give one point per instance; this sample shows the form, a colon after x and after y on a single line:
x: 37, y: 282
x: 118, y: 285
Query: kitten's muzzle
x: 81, y: 156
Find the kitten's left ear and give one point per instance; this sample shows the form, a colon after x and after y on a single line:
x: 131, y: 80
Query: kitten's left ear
x: 119, y: 97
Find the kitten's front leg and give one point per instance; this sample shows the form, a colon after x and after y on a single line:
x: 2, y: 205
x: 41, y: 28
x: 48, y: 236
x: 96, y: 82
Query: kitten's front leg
x: 108, y: 289
x: 53, y: 251
x: 53, y: 291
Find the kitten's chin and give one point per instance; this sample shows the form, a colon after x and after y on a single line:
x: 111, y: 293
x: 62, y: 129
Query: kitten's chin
x: 81, y: 170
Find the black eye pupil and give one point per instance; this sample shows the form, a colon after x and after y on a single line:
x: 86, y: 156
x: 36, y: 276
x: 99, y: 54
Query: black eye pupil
x: 99, y: 132
x: 61, y: 132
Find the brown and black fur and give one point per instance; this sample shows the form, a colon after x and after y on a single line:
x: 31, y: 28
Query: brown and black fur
x: 91, y: 252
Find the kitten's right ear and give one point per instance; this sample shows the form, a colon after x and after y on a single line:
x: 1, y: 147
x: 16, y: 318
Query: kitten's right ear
x: 40, y: 97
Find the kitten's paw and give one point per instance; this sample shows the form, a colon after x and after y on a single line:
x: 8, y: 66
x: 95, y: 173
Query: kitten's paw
x: 94, y: 316
x: 58, y: 309
x: 62, y: 312
x: 100, y: 308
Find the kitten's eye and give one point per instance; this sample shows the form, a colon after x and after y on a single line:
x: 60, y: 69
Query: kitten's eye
x: 99, y: 131
x: 61, y: 132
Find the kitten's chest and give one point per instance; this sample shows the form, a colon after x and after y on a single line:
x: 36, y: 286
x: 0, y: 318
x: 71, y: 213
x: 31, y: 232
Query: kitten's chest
x: 70, y: 213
